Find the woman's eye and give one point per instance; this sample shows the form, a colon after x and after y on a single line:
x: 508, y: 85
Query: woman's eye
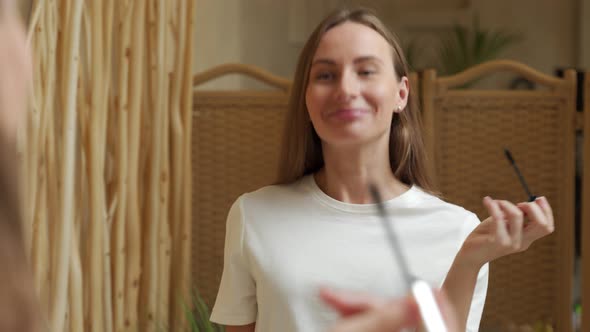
x: 366, y: 72
x: 324, y: 76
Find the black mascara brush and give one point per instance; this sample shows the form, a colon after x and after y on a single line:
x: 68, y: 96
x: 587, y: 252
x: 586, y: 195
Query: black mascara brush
x: 391, y: 238
x: 429, y: 310
x: 519, y: 174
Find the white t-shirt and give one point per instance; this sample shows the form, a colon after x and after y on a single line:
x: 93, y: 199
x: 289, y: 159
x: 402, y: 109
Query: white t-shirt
x: 284, y: 242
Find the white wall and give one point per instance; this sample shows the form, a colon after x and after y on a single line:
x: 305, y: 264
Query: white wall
x: 549, y: 28
x: 218, y: 35
x: 260, y: 32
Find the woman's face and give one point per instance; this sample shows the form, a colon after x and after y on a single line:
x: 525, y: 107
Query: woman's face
x: 353, y: 90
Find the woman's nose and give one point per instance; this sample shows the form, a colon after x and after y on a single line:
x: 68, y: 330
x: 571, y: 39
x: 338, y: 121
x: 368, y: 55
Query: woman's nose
x: 348, y: 87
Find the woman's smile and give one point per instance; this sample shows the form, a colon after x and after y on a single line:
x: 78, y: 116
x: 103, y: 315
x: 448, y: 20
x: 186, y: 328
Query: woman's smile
x: 347, y: 114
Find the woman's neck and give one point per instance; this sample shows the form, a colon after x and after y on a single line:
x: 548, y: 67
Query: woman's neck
x: 347, y: 173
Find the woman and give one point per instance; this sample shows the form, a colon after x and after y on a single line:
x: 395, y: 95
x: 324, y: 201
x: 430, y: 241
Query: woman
x: 352, y: 120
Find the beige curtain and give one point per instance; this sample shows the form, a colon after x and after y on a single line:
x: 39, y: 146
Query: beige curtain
x: 106, y: 163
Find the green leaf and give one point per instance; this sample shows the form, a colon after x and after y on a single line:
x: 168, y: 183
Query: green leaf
x: 197, y: 314
x: 463, y: 47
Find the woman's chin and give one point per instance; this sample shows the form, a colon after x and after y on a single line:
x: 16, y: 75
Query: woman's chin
x: 348, y: 139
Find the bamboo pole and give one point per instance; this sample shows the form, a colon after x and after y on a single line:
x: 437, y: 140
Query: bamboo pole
x: 119, y: 254
x: 107, y: 35
x: 76, y: 295
x: 53, y: 148
x: 84, y: 108
x: 65, y: 226
x: 107, y: 295
x: 133, y: 227
x: 167, y: 163
x: 30, y: 159
x: 177, y: 138
x: 150, y: 283
x: 95, y: 155
x: 186, y: 234
x: 183, y: 227
x: 35, y: 186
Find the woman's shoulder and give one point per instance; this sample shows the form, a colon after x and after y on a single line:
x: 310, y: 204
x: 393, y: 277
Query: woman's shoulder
x: 446, y: 215
x: 430, y: 201
x: 276, y: 192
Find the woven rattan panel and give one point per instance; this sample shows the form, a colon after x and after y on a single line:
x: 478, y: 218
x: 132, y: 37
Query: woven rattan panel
x: 471, y: 133
x: 236, y: 138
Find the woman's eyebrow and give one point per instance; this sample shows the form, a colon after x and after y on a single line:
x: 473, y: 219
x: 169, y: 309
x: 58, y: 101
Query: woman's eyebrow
x: 361, y: 59
x: 367, y: 58
x: 323, y: 61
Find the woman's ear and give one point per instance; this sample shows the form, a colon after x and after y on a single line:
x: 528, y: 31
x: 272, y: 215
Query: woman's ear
x: 402, y: 94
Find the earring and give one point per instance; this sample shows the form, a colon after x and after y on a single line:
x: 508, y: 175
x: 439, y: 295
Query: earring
x: 399, y: 108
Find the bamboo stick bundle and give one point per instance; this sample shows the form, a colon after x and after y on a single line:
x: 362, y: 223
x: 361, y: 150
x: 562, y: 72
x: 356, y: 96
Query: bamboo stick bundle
x: 85, y: 135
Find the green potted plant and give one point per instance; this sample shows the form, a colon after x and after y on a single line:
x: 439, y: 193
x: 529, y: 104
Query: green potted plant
x: 197, y: 315
x: 464, y: 47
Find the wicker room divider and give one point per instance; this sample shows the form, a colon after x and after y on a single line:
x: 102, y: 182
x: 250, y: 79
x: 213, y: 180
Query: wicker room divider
x: 236, y: 138
x: 466, y: 131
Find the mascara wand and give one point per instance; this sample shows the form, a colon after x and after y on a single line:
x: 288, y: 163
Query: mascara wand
x: 519, y: 174
x: 391, y: 238
x: 421, y: 291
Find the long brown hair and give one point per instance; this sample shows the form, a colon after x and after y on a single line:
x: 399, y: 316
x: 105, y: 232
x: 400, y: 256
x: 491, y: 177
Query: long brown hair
x: 302, y: 150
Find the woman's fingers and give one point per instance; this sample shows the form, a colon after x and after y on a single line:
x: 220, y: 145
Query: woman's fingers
x: 387, y: 316
x: 540, y: 224
x: 349, y: 303
x: 546, y: 207
x: 495, y: 211
x: 515, y: 220
x: 391, y: 316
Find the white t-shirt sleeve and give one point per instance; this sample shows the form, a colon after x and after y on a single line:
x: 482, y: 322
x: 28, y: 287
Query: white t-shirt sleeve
x: 481, y: 286
x: 236, y: 300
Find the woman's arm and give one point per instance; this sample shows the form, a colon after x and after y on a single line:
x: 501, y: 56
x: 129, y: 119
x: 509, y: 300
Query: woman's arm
x: 504, y: 232
x: 459, y: 286
x: 241, y: 328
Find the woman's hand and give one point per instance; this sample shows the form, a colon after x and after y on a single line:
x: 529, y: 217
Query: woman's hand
x: 509, y: 229
x: 361, y: 312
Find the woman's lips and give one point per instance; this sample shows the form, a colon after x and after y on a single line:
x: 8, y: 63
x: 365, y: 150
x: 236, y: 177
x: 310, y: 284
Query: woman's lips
x: 347, y: 114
